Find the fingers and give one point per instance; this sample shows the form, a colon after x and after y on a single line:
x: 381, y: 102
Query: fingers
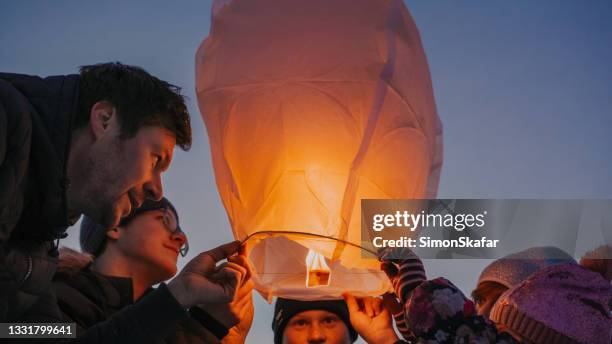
x: 228, y: 279
x: 377, y: 305
x: 244, y: 288
x: 240, y: 272
x: 351, y: 303
x: 371, y: 306
x: 205, y: 262
x: 244, y: 262
x: 368, y: 307
x: 231, y: 265
x: 224, y: 251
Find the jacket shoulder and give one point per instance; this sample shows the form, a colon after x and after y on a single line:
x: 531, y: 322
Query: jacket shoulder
x: 51, y: 104
x: 15, y: 143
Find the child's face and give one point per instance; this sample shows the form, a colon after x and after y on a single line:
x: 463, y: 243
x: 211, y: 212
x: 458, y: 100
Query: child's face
x: 486, y: 299
x: 147, y: 241
x: 316, y: 326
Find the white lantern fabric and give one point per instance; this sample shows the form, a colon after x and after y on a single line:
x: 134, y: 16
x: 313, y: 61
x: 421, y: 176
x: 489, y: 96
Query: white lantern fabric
x: 311, y: 106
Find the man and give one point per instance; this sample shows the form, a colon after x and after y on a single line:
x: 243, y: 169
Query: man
x: 122, y: 264
x: 96, y: 144
x: 332, y: 321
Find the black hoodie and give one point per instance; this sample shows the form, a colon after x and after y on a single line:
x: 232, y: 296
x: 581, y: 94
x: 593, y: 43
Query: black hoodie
x: 36, y: 117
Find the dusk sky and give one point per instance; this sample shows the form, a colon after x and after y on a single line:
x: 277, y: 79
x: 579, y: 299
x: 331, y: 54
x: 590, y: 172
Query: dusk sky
x: 523, y: 89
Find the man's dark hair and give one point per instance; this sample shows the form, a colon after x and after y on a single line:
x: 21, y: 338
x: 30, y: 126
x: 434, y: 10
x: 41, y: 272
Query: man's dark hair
x: 140, y: 98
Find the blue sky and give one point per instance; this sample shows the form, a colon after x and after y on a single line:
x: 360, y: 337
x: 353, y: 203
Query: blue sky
x: 523, y: 88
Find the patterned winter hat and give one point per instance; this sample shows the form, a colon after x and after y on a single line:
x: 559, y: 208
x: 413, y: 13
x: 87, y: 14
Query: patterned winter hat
x: 564, y: 303
x: 515, y: 268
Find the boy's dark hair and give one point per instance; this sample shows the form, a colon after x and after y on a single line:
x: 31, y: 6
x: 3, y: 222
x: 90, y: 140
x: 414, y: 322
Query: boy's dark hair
x: 140, y: 98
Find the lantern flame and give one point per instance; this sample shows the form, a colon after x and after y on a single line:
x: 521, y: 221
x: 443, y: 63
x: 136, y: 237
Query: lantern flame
x: 318, y: 273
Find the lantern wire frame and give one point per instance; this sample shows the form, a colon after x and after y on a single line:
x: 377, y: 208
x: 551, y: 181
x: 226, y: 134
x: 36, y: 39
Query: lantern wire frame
x: 305, y: 234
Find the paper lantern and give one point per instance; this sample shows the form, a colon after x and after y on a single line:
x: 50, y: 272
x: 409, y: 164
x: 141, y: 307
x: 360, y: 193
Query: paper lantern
x: 311, y: 106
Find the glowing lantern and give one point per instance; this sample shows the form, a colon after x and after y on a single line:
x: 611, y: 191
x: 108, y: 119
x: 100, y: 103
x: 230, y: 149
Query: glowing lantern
x: 311, y: 106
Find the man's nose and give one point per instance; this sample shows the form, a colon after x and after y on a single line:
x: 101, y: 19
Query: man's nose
x: 316, y: 335
x: 154, y: 189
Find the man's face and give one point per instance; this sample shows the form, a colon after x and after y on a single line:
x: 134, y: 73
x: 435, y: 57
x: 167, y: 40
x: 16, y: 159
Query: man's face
x: 317, y: 326
x: 148, y: 242
x: 121, y: 173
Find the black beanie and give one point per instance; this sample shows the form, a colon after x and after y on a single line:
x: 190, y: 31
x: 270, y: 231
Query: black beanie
x: 285, y: 309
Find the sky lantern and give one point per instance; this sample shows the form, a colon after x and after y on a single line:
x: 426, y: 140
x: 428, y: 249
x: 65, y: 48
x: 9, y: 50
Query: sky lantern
x: 311, y: 106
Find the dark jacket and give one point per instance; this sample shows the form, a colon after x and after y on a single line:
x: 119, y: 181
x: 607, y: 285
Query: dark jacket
x: 103, y: 310
x: 36, y: 117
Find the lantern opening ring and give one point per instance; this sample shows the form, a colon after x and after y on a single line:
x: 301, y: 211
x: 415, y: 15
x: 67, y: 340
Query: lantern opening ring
x: 307, y: 235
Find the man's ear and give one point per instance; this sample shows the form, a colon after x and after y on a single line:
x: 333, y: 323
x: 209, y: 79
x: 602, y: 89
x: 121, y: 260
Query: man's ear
x: 114, y: 233
x: 102, y: 115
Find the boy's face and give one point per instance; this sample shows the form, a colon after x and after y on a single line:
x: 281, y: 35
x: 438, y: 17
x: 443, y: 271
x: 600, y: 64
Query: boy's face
x: 123, y: 172
x: 148, y: 243
x: 316, y: 326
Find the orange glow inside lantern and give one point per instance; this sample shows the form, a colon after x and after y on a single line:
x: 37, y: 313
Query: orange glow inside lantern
x: 318, y: 273
x: 305, y: 122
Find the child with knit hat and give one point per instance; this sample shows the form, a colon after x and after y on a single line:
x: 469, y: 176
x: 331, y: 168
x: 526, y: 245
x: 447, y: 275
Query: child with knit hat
x: 106, y: 287
x: 560, y: 304
x: 302, y: 322
x: 333, y: 321
x: 548, y: 301
x: 433, y: 311
x: 508, y: 271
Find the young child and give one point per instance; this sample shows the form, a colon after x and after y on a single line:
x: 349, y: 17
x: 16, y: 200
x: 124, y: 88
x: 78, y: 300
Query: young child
x: 508, y: 271
x: 560, y: 304
x: 434, y: 311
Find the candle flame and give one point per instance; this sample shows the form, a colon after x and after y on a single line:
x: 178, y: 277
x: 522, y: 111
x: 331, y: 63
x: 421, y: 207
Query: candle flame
x: 318, y: 273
